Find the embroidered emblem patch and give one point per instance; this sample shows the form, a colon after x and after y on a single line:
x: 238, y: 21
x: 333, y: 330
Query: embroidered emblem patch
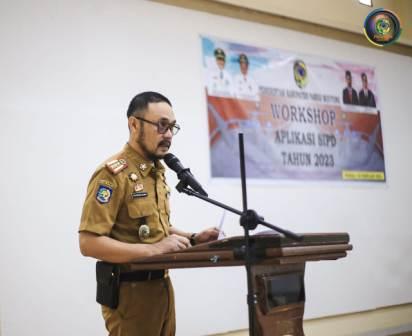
x: 103, y: 194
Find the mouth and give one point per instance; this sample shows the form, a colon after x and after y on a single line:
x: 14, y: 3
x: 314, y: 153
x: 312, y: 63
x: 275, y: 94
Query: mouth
x: 164, y: 144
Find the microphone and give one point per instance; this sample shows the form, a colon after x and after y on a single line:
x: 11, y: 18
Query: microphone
x: 183, y: 174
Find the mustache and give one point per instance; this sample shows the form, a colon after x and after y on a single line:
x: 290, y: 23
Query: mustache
x: 164, y: 143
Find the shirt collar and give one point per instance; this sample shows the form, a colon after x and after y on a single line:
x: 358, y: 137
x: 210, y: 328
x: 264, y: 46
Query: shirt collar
x: 143, y: 165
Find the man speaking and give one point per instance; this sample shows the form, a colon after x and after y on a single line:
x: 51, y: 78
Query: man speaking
x: 126, y: 217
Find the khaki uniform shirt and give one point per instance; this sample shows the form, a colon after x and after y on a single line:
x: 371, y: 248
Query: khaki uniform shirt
x: 128, y: 200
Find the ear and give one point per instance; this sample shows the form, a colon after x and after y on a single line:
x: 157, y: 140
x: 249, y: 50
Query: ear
x: 133, y: 124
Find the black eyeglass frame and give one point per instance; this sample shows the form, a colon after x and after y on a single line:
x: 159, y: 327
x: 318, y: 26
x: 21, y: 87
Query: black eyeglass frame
x: 173, y: 127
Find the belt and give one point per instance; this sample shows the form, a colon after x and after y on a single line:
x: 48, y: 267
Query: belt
x: 142, y: 275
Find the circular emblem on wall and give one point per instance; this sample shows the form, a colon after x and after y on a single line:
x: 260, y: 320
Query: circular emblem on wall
x: 382, y: 27
x: 300, y: 73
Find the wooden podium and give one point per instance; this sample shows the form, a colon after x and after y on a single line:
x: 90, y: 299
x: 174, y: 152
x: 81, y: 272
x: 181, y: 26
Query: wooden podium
x: 278, y: 272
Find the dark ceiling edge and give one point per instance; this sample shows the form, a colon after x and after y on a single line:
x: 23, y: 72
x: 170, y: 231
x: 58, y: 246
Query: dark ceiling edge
x: 237, y: 12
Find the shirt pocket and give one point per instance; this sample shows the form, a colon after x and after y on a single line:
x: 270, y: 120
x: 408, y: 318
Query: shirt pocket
x: 140, y: 209
x: 144, y: 216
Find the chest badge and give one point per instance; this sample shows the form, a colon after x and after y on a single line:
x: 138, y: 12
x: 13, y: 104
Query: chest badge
x: 133, y: 177
x: 139, y: 194
x: 144, y: 232
x: 138, y: 187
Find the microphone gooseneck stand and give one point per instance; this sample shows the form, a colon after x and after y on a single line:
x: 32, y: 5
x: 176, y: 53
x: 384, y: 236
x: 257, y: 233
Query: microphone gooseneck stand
x: 249, y: 220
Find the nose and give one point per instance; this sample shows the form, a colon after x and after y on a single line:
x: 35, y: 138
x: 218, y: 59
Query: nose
x: 168, y: 134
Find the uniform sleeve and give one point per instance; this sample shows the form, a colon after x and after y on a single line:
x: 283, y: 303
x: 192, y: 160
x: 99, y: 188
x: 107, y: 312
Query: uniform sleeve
x: 102, y: 204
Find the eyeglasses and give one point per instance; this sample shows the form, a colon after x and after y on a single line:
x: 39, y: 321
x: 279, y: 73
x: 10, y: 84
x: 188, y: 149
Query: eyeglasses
x: 162, y: 125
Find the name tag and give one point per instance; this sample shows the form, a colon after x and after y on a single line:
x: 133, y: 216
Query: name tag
x: 139, y: 194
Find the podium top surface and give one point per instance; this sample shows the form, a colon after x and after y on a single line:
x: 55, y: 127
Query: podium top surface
x: 268, y: 249
x: 263, y: 240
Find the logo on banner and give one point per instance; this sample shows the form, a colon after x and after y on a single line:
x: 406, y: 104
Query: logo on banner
x: 382, y: 27
x: 300, y: 73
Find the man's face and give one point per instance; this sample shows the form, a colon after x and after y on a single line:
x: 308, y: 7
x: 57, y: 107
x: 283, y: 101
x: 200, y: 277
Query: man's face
x: 220, y: 63
x: 244, y: 66
x: 151, y: 143
x: 364, y: 82
x: 349, y: 80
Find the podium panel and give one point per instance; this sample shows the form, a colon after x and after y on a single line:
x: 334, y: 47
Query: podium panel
x: 278, y: 271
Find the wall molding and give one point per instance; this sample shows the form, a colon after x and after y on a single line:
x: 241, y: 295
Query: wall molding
x: 242, y: 13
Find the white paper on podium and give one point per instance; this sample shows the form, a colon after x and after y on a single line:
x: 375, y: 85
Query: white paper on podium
x: 222, y: 220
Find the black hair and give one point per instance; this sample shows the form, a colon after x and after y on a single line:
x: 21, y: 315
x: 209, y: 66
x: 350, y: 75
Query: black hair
x: 243, y: 58
x: 363, y: 75
x: 347, y: 73
x: 140, y: 102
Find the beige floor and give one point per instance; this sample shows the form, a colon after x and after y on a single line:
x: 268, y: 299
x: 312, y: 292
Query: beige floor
x: 386, y: 321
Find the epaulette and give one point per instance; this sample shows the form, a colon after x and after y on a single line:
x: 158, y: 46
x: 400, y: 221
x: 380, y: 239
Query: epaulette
x: 116, y: 166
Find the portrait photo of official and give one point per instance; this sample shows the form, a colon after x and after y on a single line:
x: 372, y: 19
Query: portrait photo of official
x: 349, y: 95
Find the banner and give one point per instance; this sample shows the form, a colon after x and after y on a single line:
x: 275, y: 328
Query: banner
x: 303, y: 117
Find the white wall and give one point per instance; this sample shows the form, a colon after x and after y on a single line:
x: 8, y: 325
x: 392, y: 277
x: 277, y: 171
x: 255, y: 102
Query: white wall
x: 68, y: 70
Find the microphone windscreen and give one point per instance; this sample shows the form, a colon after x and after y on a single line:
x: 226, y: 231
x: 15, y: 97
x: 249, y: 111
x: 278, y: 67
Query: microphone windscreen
x: 172, y: 162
